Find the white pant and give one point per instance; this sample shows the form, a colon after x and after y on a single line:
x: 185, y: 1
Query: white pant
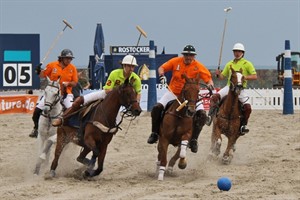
x: 169, y: 96
x: 243, y: 97
x: 100, y: 94
x: 93, y: 96
x: 67, y: 102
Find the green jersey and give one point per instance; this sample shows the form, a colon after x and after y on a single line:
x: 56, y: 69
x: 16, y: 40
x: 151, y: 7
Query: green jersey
x: 116, y: 78
x: 245, y: 65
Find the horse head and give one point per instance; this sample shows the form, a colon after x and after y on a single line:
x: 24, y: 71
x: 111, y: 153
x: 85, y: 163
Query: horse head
x: 51, y: 95
x: 236, y: 81
x: 128, y: 97
x: 190, y: 93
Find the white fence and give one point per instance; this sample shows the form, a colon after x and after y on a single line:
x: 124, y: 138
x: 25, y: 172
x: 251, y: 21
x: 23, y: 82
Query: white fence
x: 261, y: 99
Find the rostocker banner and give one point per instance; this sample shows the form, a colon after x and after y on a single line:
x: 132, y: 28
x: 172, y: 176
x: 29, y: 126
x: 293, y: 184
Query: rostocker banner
x: 18, y: 104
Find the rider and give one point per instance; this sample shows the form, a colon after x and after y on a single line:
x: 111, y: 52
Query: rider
x: 67, y: 72
x: 191, y: 67
x: 249, y: 72
x: 116, y: 78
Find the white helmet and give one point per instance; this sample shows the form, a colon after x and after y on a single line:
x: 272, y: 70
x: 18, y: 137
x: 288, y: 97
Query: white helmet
x: 238, y: 47
x: 129, y: 60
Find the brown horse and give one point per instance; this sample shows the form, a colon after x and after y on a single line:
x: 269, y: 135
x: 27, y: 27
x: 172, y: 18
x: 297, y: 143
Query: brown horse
x: 227, y: 120
x: 176, y: 127
x: 99, y: 129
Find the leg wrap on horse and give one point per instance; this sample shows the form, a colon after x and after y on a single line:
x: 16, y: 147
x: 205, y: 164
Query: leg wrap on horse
x: 156, y: 118
x: 199, y: 120
x: 214, y: 104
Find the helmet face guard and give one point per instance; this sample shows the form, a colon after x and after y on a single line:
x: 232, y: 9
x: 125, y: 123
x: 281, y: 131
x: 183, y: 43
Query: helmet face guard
x: 189, y: 49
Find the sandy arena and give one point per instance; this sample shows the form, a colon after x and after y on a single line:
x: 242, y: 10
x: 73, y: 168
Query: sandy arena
x: 266, y: 165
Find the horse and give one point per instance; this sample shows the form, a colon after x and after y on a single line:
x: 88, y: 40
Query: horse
x: 176, y: 127
x: 228, y: 119
x: 99, y: 128
x: 47, y: 133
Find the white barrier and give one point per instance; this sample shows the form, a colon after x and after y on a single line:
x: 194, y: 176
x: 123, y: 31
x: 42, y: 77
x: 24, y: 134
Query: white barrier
x: 261, y: 99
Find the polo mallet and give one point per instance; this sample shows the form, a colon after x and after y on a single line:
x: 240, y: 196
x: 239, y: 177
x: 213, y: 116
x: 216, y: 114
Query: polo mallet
x: 226, y: 10
x: 54, y: 42
x: 143, y: 68
x: 181, y: 105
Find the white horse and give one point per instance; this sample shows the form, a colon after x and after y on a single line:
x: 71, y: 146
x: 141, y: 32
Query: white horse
x: 47, y: 132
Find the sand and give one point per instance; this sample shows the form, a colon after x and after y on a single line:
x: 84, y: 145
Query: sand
x: 266, y: 164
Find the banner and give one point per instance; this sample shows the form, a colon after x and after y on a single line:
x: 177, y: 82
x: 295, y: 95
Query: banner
x: 18, y: 104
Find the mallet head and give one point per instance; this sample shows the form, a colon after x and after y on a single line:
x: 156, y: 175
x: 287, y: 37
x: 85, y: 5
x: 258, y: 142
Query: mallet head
x: 141, y: 31
x: 228, y: 9
x: 67, y: 24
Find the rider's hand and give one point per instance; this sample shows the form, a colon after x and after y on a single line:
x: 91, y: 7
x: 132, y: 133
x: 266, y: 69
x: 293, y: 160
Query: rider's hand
x: 38, y: 69
x: 218, y: 72
x: 210, y: 88
x: 163, y: 80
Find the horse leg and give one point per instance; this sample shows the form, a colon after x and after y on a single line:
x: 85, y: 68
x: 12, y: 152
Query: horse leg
x: 216, y: 141
x: 40, y: 143
x: 82, y: 156
x: 228, y: 154
x: 62, y: 141
x: 163, y: 143
x: 100, y: 153
x: 173, y: 161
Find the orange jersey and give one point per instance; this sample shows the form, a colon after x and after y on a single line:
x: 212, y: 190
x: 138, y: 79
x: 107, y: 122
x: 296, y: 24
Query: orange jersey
x: 177, y: 66
x: 53, y: 70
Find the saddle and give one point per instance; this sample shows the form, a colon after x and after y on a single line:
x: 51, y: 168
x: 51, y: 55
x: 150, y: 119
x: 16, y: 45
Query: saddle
x: 81, y: 118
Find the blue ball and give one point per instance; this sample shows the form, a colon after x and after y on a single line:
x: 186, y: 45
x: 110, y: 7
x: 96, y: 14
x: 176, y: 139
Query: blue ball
x: 224, y: 184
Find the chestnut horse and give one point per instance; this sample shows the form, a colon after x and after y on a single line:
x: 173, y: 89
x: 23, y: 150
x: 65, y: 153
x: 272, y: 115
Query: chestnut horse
x: 99, y: 128
x: 227, y: 120
x: 176, y: 127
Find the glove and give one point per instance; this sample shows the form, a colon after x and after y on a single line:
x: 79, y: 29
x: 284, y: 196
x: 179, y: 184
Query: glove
x: 163, y: 80
x: 38, y: 69
x: 210, y: 88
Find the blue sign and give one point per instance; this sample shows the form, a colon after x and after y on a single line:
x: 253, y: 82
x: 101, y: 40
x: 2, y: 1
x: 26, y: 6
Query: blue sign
x: 19, y: 54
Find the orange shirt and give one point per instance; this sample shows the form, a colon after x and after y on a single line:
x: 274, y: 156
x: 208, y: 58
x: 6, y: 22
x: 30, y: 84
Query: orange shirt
x: 177, y: 66
x: 53, y: 70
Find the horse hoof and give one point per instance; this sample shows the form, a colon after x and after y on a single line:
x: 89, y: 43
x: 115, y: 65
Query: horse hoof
x: 226, y: 160
x: 52, y: 173
x: 84, y: 161
x: 43, y: 156
x: 182, y: 163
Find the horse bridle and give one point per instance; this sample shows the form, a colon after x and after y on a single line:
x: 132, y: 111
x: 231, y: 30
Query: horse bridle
x: 233, y: 87
x: 57, y: 98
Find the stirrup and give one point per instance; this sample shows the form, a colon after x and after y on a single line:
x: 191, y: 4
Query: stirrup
x: 153, y: 138
x: 208, y: 120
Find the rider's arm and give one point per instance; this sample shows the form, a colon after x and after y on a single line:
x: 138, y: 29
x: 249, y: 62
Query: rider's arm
x: 251, y: 77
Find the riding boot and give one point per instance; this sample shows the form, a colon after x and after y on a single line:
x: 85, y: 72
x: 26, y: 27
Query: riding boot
x: 35, y: 117
x: 199, y: 120
x: 75, y: 106
x: 246, y: 114
x: 213, y: 107
x: 156, y: 118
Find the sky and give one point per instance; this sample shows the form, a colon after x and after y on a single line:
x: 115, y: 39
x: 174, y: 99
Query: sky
x: 261, y: 25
